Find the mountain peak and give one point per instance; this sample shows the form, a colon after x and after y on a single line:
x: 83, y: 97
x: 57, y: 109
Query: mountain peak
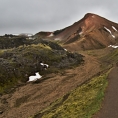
x: 88, y: 15
x: 91, y: 32
x: 92, y: 21
x: 89, y: 20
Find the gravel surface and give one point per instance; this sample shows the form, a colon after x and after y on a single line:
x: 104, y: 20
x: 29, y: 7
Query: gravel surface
x: 110, y: 104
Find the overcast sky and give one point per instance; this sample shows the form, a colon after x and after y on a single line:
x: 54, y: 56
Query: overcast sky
x: 32, y: 16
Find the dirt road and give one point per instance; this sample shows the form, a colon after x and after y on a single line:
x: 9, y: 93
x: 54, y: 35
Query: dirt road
x: 110, y: 104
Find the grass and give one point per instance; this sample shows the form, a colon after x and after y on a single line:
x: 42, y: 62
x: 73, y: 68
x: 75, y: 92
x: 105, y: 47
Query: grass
x: 80, y: 103
x: 111, y: 57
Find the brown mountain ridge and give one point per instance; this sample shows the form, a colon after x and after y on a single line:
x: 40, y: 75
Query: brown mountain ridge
x: 91, y: 32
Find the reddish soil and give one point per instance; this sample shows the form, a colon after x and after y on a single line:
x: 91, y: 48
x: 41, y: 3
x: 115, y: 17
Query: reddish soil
x: 110, y: 104
x: 33, y: 97
x: 91, y: 32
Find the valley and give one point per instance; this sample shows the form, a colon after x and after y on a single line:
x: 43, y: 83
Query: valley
x: 81, y: 59
x: 30, y: 98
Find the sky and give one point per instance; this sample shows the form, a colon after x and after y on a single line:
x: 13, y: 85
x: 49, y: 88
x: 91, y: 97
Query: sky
x: 33, y: 16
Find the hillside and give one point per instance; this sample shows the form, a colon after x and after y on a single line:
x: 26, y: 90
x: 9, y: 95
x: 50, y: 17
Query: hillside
x: 17, y: 64
x: 56, y: 89
x: 79, y: 62
x: 91, y: 32
x: 28, y: 99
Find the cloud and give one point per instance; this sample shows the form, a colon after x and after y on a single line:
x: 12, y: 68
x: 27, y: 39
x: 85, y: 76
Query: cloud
x: 19, y: 16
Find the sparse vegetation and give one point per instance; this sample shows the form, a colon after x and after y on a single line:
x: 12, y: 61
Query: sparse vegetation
x: 113, y: 56
x: 83, y: 102
x: 13, y: 42
x: 66, y: 89
x: 18, y: 63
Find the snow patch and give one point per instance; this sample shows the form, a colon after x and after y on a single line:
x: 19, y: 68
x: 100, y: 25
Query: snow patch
x: 109, y: 32
x: 113, y: 46
x: 34, y: 78
x: 65, y: 49
x: 45, y: 66
x: 80, y: 33
x: 114, y: 28
x: 51, y: 35
x: 113, y: 36
x: 42, y: 64
x: 57, y: 39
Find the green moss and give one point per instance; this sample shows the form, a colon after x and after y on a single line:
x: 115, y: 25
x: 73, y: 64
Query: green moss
x: 80, y: 103
x: 114, y: 55
x: 6, y: 87
x: 23, y: 61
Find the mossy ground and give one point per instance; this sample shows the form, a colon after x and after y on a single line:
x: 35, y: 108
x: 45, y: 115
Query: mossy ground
x: 17, y: 64
x: 83, y: 102
x: 113, y: 56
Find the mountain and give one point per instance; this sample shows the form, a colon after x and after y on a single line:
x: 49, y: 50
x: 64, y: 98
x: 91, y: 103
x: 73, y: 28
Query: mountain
x: 70, y: 78
x: 91, y: 32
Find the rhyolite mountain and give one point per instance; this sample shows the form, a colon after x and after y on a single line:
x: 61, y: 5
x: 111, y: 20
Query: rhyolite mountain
x: 91, y: 32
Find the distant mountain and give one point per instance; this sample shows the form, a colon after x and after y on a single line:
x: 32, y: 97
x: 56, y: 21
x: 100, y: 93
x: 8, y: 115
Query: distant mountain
x: 91, y: 32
